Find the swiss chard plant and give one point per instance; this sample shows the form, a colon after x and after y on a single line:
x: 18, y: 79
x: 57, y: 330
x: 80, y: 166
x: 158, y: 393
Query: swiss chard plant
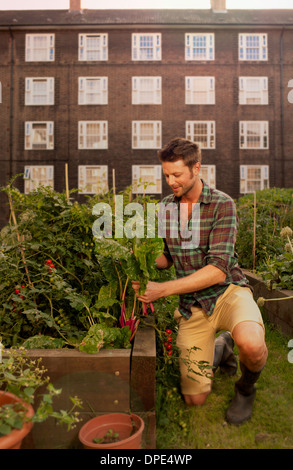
x: 62, y: 287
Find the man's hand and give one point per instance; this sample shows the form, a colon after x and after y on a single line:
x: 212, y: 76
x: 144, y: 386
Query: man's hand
x: 153, y: 291
x: 201, y: 279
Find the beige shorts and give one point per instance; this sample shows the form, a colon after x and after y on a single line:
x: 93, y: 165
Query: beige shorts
x: 234, y: 306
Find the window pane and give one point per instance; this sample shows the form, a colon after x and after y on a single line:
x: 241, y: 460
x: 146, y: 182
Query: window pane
x: 147, y: 90
x: 39, y: 91
x: 146, y: 132
x: 39, y: 136
x: 146, y: 47
x: 252, y: 47
x: 93, y: 135
x: 253, y: 135
x: 200, y: 91
x: 253, y: 186
x: 93, y: 48
x: 253, y: 173
x: 40, y: 48
x: 201, y: 134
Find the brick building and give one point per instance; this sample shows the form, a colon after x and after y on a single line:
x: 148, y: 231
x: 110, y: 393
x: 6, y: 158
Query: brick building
x: 104, y: 89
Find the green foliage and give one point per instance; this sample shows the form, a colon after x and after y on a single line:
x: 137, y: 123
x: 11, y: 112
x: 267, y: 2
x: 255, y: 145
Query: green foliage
x: 277, y: 271
x: 101, y: 335
x: 22, y: 376
x: 274, y: 211
x: 43, y: 342
x: 48, y: 273
x: 59, y: 285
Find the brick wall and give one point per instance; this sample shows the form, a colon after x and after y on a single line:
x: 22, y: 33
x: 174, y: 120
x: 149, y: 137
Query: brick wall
x: 120, y: 112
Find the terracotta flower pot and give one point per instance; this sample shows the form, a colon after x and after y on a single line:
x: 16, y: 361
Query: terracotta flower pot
x: 14, y: 439
x: 129, y: 428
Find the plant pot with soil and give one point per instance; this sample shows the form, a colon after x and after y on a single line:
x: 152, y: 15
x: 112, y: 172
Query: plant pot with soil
x: 112, y: 431
x: 20, y: 379
x: 10, y: 402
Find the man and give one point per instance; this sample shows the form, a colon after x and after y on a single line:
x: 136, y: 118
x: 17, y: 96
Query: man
x: 213, y: 292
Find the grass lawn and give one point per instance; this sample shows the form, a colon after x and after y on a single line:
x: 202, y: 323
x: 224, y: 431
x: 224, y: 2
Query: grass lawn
x: 271, y: 426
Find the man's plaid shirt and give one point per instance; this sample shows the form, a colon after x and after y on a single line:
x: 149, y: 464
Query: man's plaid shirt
x: 218, y: 227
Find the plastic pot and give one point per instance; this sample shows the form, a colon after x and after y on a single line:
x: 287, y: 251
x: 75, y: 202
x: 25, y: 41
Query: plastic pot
x: 128, y: 426
x: 14, y: 439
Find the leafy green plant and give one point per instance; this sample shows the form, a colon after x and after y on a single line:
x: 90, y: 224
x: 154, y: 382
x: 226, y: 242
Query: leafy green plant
x: 110, y: 437
x: 59, y: 286
x: 23, y: 377
x: 277, y: 271
x: 274, y: 210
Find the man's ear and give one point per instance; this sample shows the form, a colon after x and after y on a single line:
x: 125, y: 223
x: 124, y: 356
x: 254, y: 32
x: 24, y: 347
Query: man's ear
x: 196, y: 168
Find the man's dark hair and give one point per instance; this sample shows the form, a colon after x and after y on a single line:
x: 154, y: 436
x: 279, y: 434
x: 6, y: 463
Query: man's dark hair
x: 181, y: 149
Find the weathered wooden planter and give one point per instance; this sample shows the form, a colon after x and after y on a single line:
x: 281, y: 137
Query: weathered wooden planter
x: 113, y: 380
x: 279, y: 313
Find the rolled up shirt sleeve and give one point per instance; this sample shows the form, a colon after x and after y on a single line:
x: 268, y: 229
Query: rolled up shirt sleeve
x: 222, y: 238
x: 166, y: 252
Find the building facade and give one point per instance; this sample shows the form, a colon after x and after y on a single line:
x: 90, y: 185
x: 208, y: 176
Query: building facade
x: 103, y: 90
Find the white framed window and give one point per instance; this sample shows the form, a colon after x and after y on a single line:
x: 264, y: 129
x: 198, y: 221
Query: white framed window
x: 92, y: 90
x: 93, y: 135
x: 93, y: 47
x: 254, y: 134
x: 202, y: 132
x: 146, y: 134
x: 253, y: 90
x: 146, y: 46
x: 253, y: 178
x: 253, y: 46
x: 146, y: 179
x: 199, y: 46
x: 39, y: 91
x: 40, y: 47
x: 39, y: 135
x: 36, y: 176
x: 93, y: 179
x: 146, y: 90
x: 199, y: 90
x: 208, y: 174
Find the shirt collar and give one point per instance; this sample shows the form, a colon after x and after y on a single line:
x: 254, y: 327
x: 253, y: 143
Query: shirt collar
x: 205, y: 195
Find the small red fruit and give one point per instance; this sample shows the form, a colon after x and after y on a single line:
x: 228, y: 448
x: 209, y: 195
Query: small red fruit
x: 17, y: 291
x: 48, y: 261
x: 169, y: 346
x: 168, y: 331
x: 170, y: 352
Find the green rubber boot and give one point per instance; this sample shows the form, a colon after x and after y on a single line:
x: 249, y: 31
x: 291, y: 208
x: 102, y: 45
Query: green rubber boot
x: 240, y: 409
x: 224, y: 356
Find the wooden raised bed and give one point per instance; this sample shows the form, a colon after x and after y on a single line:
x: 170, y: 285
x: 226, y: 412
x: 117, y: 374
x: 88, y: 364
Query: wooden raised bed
x: 113, y: 380
x: 279, y: 313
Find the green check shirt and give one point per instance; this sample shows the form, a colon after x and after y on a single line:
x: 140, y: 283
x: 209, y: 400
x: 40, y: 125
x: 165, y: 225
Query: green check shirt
x: 216, y: 220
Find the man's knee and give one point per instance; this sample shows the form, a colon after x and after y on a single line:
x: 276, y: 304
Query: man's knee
x: 196, y: 400
x: 251, y: 344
